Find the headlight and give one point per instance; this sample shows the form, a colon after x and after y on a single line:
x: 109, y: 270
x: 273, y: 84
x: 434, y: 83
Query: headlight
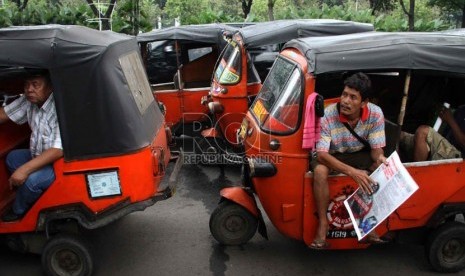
x: 261, y: 168
x: 215, y: 107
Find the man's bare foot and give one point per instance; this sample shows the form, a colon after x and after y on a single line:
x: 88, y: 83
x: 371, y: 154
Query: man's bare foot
x: 373, y: 238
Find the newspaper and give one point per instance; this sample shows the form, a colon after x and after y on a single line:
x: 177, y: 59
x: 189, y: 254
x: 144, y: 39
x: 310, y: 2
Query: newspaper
x: 394, y: 186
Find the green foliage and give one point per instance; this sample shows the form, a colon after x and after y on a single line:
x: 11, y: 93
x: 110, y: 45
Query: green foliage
x: 209, y: 16
x: 452, y: 11
x: 128, y: 17
x: 42, y: 12
x: 6, y: 14
x: 187, y: 11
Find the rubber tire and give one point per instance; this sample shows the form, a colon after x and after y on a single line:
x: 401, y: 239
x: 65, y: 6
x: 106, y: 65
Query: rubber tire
x: 72, y: 248
x: 232, y: 224
x: 448, y: 238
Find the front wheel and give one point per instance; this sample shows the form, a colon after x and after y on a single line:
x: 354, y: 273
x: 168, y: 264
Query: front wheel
x: 232, y: 224
x: 67, y: 255
x: 446, y: 247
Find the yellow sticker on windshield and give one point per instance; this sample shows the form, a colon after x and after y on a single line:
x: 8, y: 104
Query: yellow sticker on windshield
x: 260, y: 111
x: 229, y: 77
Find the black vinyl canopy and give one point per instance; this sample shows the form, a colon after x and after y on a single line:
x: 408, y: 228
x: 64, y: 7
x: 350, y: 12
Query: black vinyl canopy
x: 97, y: 111
x: 280, y: 31
x: 207, y: 33
x: 438, y: 51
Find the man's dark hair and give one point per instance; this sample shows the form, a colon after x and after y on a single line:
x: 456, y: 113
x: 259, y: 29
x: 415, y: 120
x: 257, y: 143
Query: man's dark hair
x: 361, y: 83
x: 34, y: 73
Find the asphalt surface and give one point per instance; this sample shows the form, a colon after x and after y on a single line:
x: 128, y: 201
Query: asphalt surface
x: 173, y: 238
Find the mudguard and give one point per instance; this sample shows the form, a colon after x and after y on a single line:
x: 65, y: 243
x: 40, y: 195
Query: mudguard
x: 240, y: 196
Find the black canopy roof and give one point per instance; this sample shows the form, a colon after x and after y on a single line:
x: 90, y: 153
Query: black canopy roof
x: 280, y: 31
x: 208, y: 33
x: 378, y: 50
x: 97, y: 112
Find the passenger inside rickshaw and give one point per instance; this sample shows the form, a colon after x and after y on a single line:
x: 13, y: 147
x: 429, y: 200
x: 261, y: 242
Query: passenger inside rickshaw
x: 31, y: 169
x: 426, y: 94
x: 12, y: 136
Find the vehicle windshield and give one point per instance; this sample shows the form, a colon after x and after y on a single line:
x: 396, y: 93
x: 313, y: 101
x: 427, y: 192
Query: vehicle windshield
x: 277, y: 106
x: 229, y: 67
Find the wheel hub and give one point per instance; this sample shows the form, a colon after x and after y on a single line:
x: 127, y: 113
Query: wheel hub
x: 234, y: 224
x: 453, y: 250
x: 67, y: 261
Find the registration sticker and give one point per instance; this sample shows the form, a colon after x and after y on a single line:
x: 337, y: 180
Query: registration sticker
x: 229, y: 77
x: 243, y: 130
x: 103, y: 184
x: 260, y: 111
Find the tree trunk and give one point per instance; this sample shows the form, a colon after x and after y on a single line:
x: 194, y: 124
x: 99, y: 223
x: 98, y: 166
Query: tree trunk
x: 246, y: 6
x: 463, y: 16
x: 20, y: 6
x: 411, y: 17
x: 410, y: 14
x: 270, y: 10
x: 372, y: 4
x: 136, y: 17
x: 105, y: 18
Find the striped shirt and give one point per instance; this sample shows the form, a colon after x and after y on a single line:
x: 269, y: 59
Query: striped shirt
x: 45, y: 132
x: 336, y: 138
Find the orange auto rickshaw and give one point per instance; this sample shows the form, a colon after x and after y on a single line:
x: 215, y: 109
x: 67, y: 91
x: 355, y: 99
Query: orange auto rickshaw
x: 113, y: 135
x: 179, y: 63
x: 412, y: 74
x: 236, y: 80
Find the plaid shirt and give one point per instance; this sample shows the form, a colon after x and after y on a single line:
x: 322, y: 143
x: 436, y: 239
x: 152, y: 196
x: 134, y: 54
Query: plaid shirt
x: 335, y: 137
x: 42, y: 121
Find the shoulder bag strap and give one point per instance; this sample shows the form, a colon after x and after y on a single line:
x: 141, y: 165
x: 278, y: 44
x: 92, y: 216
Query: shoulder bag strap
x: 363, y: 141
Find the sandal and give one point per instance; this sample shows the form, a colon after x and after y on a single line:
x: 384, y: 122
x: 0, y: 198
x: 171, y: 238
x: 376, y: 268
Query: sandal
x: 319, y: 244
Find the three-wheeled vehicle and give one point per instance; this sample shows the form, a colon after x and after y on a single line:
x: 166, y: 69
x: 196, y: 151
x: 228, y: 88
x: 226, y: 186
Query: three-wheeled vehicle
x: 236, y: 81
x: 179, y: 63
x: 113, y: 135
x: 412, y: 73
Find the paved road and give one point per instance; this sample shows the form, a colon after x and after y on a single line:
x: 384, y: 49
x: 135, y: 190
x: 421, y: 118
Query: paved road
x: 172, y: 238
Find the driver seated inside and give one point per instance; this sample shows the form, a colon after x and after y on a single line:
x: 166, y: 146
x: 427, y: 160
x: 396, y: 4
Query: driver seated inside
x: 338, y: 149
x: 427, y: 144
x: 32, y: 169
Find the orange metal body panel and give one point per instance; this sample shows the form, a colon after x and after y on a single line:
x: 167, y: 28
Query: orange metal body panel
x: 138, y: 173
x: 236, y: 101
x: 183, y: 106
x: 230, y: 120
x: 241, y: 197
x: 439, y: 183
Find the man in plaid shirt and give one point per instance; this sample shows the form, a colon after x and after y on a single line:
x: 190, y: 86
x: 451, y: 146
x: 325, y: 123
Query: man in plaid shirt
x: 32, y: 169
